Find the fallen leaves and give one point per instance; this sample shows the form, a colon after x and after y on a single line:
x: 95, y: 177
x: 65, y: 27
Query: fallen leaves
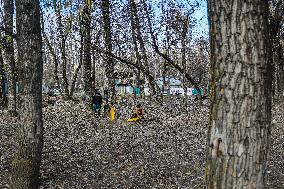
x: 166, y: 151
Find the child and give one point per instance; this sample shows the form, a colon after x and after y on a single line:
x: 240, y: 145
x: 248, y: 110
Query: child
x: 138, y: 112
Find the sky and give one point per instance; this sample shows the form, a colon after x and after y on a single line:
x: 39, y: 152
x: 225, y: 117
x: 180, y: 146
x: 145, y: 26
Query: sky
x: 201, y: 15
x: 201, y: 28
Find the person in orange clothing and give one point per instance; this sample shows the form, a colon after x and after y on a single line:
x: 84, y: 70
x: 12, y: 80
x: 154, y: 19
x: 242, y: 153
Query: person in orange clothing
x: 138, y: 112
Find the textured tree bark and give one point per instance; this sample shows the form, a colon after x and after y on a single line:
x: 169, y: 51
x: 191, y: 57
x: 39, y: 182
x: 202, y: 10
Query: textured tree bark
x: 275, y: 27
x: 9, y: 55
x: 25, y: 167
x: 134, y: 37
x: 87, y: 60
x: 279, y: 69
x: 105, y: 5
x: 240, y: 112
x: 2, y: 84
x: 281, y: 72
x: 94, y: 58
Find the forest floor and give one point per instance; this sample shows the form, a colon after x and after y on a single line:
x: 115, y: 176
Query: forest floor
x: 166, y: 151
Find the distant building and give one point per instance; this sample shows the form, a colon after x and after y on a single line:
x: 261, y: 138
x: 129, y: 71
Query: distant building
x: 168, y: 82
x: 173, y: 86
x: 122, y: 86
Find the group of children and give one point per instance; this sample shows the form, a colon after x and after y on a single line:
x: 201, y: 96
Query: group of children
x: 97, y: 100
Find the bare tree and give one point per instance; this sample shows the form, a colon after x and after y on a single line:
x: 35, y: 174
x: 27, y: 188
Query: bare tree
x: 87, y: 60
x: 54, y: 57
x: 62, y: 37
x: 133, y: 21
x: 163, y: 55
x: 25, y: 166
x: 137, y: 35
x: 2, y: 84
x: 109, y: 67
x: 240, y: 112
x: 9, y: 58
x: 276, y: 33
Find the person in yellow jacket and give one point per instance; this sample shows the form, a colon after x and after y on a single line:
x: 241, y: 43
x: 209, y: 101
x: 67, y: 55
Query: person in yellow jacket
x: 112, y: 110
x: 138, y: 114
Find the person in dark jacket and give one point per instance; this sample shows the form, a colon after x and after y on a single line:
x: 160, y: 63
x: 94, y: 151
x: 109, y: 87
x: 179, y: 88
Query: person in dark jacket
x: 97, y: 102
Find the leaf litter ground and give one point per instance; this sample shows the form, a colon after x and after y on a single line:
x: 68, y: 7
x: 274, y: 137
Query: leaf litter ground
x: 82, y: 150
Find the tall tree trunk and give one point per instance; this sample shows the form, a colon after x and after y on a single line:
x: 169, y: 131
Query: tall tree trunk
x: 105, y: 4
x: 279, y: 69
x: 62, y: 38
x: 134, y: 36
x: 185, y: 26
x: 94, y: 69
x: 25, y: 170
x: 87, y: 60
x: 138, y: 33
x: 78, y: 68
x: 240, y: 112
x: 281, y: 72
x: 275, y: 28
x: 9, y: 54
x: 94, y: 54
x: 2, y: 83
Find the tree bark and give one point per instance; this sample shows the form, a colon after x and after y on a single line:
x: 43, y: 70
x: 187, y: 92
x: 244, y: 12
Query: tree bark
x: 2, y: 84
x: 134, y: 37
x: 278, y: 69
x: 9, y: 55
x: 25, y: 167
x: 240, y: 112
x: 87, y: 60
x: 105, y: 6
x: 276, y: 34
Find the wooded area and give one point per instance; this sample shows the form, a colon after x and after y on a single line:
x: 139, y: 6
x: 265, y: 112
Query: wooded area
x: 133, y: 94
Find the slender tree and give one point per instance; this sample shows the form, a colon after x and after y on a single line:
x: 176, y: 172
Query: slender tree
x: 2, y: 84
x: 134, y: 28
x: 109, y: 68
x: 240, y: 112
x: 276, y: 33
x: 62, y: 37
x: 163, y: 55
x: 25, y: 167
x: 54, y: 58
x: 9, y: 58
x: 87, y: 60
x: 79, y: 65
